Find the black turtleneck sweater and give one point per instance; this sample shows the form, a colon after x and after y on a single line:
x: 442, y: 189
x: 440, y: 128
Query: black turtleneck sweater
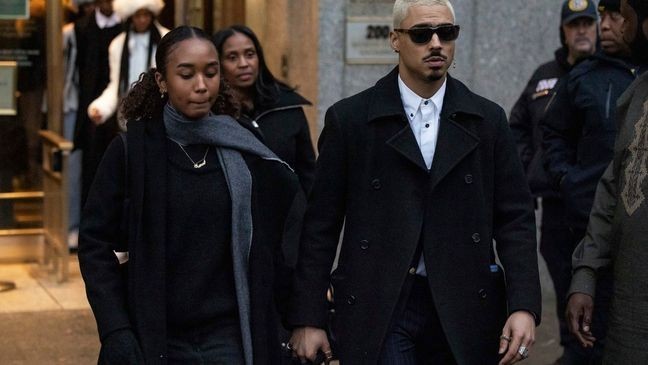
x: 200, y: 280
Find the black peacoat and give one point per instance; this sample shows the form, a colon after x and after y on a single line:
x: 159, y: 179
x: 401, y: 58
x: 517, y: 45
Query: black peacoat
x: 371, y: 176
x: 138, y: 302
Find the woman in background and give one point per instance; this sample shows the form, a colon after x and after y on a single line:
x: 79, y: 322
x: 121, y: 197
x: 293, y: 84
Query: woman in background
x: 130, y: 54
x: 267, y: 103
x: 200, y: 205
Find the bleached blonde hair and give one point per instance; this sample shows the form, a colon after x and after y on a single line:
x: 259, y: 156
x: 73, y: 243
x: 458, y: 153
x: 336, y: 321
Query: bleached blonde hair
x: 401, y: 7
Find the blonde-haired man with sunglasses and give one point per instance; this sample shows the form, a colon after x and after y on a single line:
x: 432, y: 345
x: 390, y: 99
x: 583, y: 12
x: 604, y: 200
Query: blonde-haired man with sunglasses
x: 424, y: 175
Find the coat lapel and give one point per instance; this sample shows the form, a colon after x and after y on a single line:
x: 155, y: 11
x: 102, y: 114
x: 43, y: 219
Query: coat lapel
x: 405, y: 144
x: 455, y: 140
x: 155, y: 183
x: 150, y: 250
x: 387, y: 104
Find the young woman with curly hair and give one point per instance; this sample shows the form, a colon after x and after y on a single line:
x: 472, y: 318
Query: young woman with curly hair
x: 200, y: 205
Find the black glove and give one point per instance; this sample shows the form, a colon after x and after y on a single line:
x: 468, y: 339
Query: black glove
x: 121, y: 348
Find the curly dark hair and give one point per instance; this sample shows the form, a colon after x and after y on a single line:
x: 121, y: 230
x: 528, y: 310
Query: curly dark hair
x: 144, y: 100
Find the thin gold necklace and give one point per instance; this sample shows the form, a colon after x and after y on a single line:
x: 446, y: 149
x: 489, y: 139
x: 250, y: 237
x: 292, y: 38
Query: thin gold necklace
x: 196, y: 164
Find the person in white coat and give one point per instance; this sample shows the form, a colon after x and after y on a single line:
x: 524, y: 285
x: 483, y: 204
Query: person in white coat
x: 142, y: 34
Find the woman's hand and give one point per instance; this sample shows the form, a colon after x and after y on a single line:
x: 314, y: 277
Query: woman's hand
x: 121, y: 348
x: 95, y: 116
x: 305, y: 343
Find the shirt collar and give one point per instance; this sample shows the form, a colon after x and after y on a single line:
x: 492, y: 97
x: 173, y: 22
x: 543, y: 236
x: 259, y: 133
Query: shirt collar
x: 412, y: 101
x: 106, y: 21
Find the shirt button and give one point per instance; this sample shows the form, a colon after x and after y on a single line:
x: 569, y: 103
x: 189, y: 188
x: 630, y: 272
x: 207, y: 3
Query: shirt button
x: 412, y: 270
x: 411, y: 115
x: 426, y: 102
x: 476, y: 237
x: 351, y: 300
x: 427, y: 125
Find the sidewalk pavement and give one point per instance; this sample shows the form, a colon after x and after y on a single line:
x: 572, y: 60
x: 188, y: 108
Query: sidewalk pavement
x: 43, y: 322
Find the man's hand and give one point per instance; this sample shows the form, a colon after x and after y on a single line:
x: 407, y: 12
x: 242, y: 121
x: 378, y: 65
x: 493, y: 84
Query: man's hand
x: 518, y: 331
x: 579, y: 318
x: 306, y: 341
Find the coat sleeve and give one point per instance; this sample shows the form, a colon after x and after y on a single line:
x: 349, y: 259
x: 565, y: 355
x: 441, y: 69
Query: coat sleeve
x: 321, y: 229
x: 559, y: 133
x: 514, y: 227
x: 107, y: 102
x: 522, y: 128
x: 593, y: 252
x: 286, y: 256
x: 98, y: 238
x: 305, y: 155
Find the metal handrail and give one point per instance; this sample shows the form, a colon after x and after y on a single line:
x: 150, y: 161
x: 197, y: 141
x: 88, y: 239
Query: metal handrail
x: 56, y: 140
x: 22, y: 195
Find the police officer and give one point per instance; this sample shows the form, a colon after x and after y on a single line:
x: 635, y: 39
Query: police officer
x: 578, y: 38
x: 579, y: 132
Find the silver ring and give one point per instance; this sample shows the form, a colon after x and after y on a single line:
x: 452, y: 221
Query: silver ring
x: 289, y: 346
x: 523, y: 351
x: 505, y: 338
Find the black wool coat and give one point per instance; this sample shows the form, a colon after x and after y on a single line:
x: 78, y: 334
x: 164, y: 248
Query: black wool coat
x: 283, y: 127
x: 138, y: 301
x: 371, y: 176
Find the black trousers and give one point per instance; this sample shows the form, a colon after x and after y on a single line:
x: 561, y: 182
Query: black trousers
x: 416, y: 336
x: 557, y: 244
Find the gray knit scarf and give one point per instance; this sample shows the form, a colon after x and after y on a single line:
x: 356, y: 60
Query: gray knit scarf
x: 229, y: 139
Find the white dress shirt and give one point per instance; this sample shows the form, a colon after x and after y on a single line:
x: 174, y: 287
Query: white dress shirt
x: 106, y: 21
x: 138, y: 47
x: 423, y: 115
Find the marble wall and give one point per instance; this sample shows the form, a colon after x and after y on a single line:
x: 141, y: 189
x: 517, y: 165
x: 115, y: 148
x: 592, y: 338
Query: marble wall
x: 501, y: 43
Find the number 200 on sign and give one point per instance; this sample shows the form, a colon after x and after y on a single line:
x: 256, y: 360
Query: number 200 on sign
x: 377, y: 32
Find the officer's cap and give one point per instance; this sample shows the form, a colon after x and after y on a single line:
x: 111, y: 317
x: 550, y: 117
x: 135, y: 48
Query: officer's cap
x: 609, y: 5
x: 574, y: 9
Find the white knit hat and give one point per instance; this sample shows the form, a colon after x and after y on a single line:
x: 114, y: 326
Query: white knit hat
x: 126, y: 8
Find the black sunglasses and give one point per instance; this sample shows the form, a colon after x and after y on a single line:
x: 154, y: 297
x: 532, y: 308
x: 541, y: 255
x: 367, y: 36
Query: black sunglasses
x: 422, y: 35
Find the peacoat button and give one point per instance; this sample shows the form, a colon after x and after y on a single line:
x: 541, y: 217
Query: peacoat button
x: 468, y: 179
x: 412, y: 271
x: 482, y: 293
x: 376, y: 184
x: 364, y: 244
x: 351, y: 300
x: 453, y: 115
x: 476, y: 237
